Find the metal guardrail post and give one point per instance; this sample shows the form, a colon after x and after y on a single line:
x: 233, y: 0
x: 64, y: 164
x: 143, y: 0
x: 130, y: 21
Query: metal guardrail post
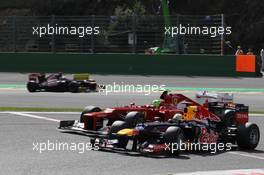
x: 178, y: 36
x: 134, y: 18
x: 92, y: 36
x: 53, y: 50
x: 222, y: 36
x: 14, y: 33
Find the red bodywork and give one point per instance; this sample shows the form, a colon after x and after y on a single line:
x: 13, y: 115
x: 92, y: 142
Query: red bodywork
x: 168, y: 108
x: 34, y: 77
x: 37, y: 77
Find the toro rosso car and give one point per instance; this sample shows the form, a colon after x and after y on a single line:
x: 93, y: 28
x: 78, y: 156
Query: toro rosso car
x: 59, y: 83
x: 173, y: 120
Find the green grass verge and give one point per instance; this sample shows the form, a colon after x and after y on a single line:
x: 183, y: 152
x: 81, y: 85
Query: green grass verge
x: 39, y: 109
x: 257, y: 112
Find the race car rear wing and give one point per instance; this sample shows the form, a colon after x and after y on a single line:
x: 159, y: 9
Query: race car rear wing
x: 203, y: 97
x: 80, y: 77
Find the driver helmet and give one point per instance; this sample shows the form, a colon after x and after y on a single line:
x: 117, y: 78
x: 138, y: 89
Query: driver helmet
x: 156, y: 103
x: 178, y: 116
x: 60, y: 74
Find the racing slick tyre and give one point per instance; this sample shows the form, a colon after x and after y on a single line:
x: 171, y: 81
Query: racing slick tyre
x: 248, y: 136
x: 173, y: 136
x: 74, y: 87
x: 92, y: 86
x: 89, y: 109
x: 32, y: 86
x: 117, y: 126
x: 228, y: 118
x: 62, y: 86
x: 133, y: 118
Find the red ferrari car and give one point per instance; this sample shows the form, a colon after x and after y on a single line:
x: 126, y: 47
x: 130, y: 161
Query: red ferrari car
x: 93, y: 118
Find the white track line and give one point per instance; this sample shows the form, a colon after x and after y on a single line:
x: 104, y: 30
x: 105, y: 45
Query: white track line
x: 226, y: 172
x: 64, y: 113
x: 34, y: 116
x: 30, y: 112
x: 246, y: 155
x: 256, y: 115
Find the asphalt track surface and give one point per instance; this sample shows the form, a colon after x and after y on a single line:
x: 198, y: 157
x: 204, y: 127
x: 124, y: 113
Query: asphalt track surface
x: 18, y: 131
x: 180, y: 81
x: 21, y: 98
x: 18, y: 156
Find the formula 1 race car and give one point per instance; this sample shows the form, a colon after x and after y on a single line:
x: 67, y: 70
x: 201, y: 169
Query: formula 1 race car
x: 59, y: 83
x: 176, y: 120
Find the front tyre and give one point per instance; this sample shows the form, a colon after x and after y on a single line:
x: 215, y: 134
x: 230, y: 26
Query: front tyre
x: 173, y: 137
x: 89, y: 109
x: 74, y: 87
x: 32, y: 86
x: 117, y: 126
x: 248, y: 136
x: 133, y: 118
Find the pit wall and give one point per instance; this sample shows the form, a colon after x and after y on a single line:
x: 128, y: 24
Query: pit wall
x: 130, y: 64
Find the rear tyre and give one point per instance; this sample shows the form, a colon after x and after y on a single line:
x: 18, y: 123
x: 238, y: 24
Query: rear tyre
x: 92, y: 86
x: 228, y: 118
x: 89, y: 109
x: 74, y: 87
x: 117, y: 126
x: 248, y: 136
x: 32, y: 86
x: 173, y: 137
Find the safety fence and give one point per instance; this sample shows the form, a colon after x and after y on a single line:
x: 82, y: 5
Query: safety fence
x: 108, y: 34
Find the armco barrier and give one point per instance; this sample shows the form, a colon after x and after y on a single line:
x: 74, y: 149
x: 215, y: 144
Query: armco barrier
x: 188, y: 65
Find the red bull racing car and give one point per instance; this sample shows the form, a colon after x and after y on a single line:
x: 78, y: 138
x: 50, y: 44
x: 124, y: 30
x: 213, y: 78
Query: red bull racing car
x: 59, y: 83
x: 167, y: 124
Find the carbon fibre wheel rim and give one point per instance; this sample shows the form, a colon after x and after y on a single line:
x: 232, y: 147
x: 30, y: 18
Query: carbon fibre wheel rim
x: 254, y: 136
